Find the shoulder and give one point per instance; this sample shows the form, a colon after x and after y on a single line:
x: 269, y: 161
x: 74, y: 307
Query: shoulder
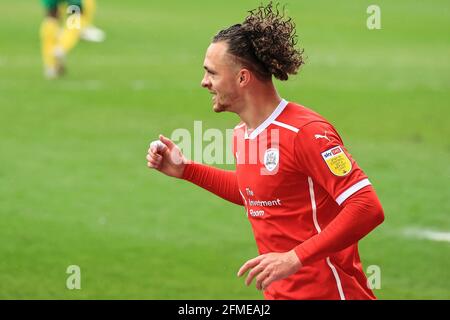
x: 298, y: 118
x: 312, y: 130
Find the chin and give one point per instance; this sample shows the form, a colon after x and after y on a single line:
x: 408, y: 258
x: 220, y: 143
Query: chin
x: 219, y: 108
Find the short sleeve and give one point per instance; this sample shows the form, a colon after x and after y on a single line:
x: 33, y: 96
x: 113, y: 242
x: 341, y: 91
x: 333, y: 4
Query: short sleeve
x: 320, y: 153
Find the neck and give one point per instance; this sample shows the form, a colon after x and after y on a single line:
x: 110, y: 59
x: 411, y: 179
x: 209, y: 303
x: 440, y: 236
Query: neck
x: 259, y: 103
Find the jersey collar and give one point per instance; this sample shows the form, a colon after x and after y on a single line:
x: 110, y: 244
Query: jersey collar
x: 268, y: 121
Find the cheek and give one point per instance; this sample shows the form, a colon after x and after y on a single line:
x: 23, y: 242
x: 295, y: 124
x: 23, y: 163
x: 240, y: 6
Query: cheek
x: 222, y: 86
x: 215, y: 82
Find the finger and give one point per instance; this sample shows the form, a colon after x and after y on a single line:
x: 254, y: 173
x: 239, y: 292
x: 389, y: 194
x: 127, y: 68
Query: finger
x: 261, y: 278
x: 154, y: 156
x: 266, y: 282
x: 169, y: 143
x: 157, y: 147
x: 249, y: 264
x: 153, y: 164
x: 253, y: 273
x: 153, y: 161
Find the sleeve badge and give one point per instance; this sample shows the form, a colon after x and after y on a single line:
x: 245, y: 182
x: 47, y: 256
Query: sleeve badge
x: 337, y: 161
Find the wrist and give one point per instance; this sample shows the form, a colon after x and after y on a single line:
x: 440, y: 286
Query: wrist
x: 186, y: 169
x: 295, y: 259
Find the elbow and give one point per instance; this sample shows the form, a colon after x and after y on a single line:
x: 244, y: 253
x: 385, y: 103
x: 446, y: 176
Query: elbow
x: 377, y: 213
x: 370, y: 206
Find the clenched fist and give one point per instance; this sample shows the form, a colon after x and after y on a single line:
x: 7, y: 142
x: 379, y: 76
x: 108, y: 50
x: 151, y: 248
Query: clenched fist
x: 165, y: 156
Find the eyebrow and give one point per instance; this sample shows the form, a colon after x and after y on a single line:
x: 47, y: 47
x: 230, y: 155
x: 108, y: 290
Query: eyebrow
x: 209, y: 70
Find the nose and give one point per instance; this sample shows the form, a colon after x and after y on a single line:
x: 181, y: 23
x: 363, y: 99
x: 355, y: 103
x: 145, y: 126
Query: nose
x: 205, y: 81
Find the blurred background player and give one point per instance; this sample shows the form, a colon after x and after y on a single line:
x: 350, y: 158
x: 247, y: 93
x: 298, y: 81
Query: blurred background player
x: 58, y: 38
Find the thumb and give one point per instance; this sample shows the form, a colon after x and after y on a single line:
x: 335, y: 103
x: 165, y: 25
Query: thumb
x: 175, y: 154
x: 169, y: 143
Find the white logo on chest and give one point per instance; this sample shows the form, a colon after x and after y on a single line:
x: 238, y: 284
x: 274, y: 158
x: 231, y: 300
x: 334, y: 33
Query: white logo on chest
x: 271, y: 158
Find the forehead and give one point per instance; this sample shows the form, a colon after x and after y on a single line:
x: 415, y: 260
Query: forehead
x: 216, y: 54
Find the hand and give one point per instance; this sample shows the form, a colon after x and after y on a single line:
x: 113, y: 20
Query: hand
x: 270, y: 267
x: 166, y: 158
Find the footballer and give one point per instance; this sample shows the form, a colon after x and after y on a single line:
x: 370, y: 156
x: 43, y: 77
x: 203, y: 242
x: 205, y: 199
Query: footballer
x: 57, y: 41
x: 308, y: 201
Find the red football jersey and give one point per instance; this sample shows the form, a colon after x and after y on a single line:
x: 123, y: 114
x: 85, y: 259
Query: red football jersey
x: 294, y: 174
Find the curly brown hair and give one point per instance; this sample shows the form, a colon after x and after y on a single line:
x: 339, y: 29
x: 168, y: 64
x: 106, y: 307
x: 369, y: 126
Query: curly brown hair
x: 265, y: 43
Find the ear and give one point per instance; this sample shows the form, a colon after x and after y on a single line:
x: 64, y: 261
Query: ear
x: 244, y: 77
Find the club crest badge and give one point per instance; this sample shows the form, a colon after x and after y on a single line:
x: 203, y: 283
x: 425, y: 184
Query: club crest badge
x: 271, y: 158
x: 337, y: 161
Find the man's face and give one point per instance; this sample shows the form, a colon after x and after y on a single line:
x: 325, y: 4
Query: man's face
x: 221, y: 77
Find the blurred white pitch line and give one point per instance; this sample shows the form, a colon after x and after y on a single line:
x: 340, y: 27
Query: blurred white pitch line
x: 427, y: 234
